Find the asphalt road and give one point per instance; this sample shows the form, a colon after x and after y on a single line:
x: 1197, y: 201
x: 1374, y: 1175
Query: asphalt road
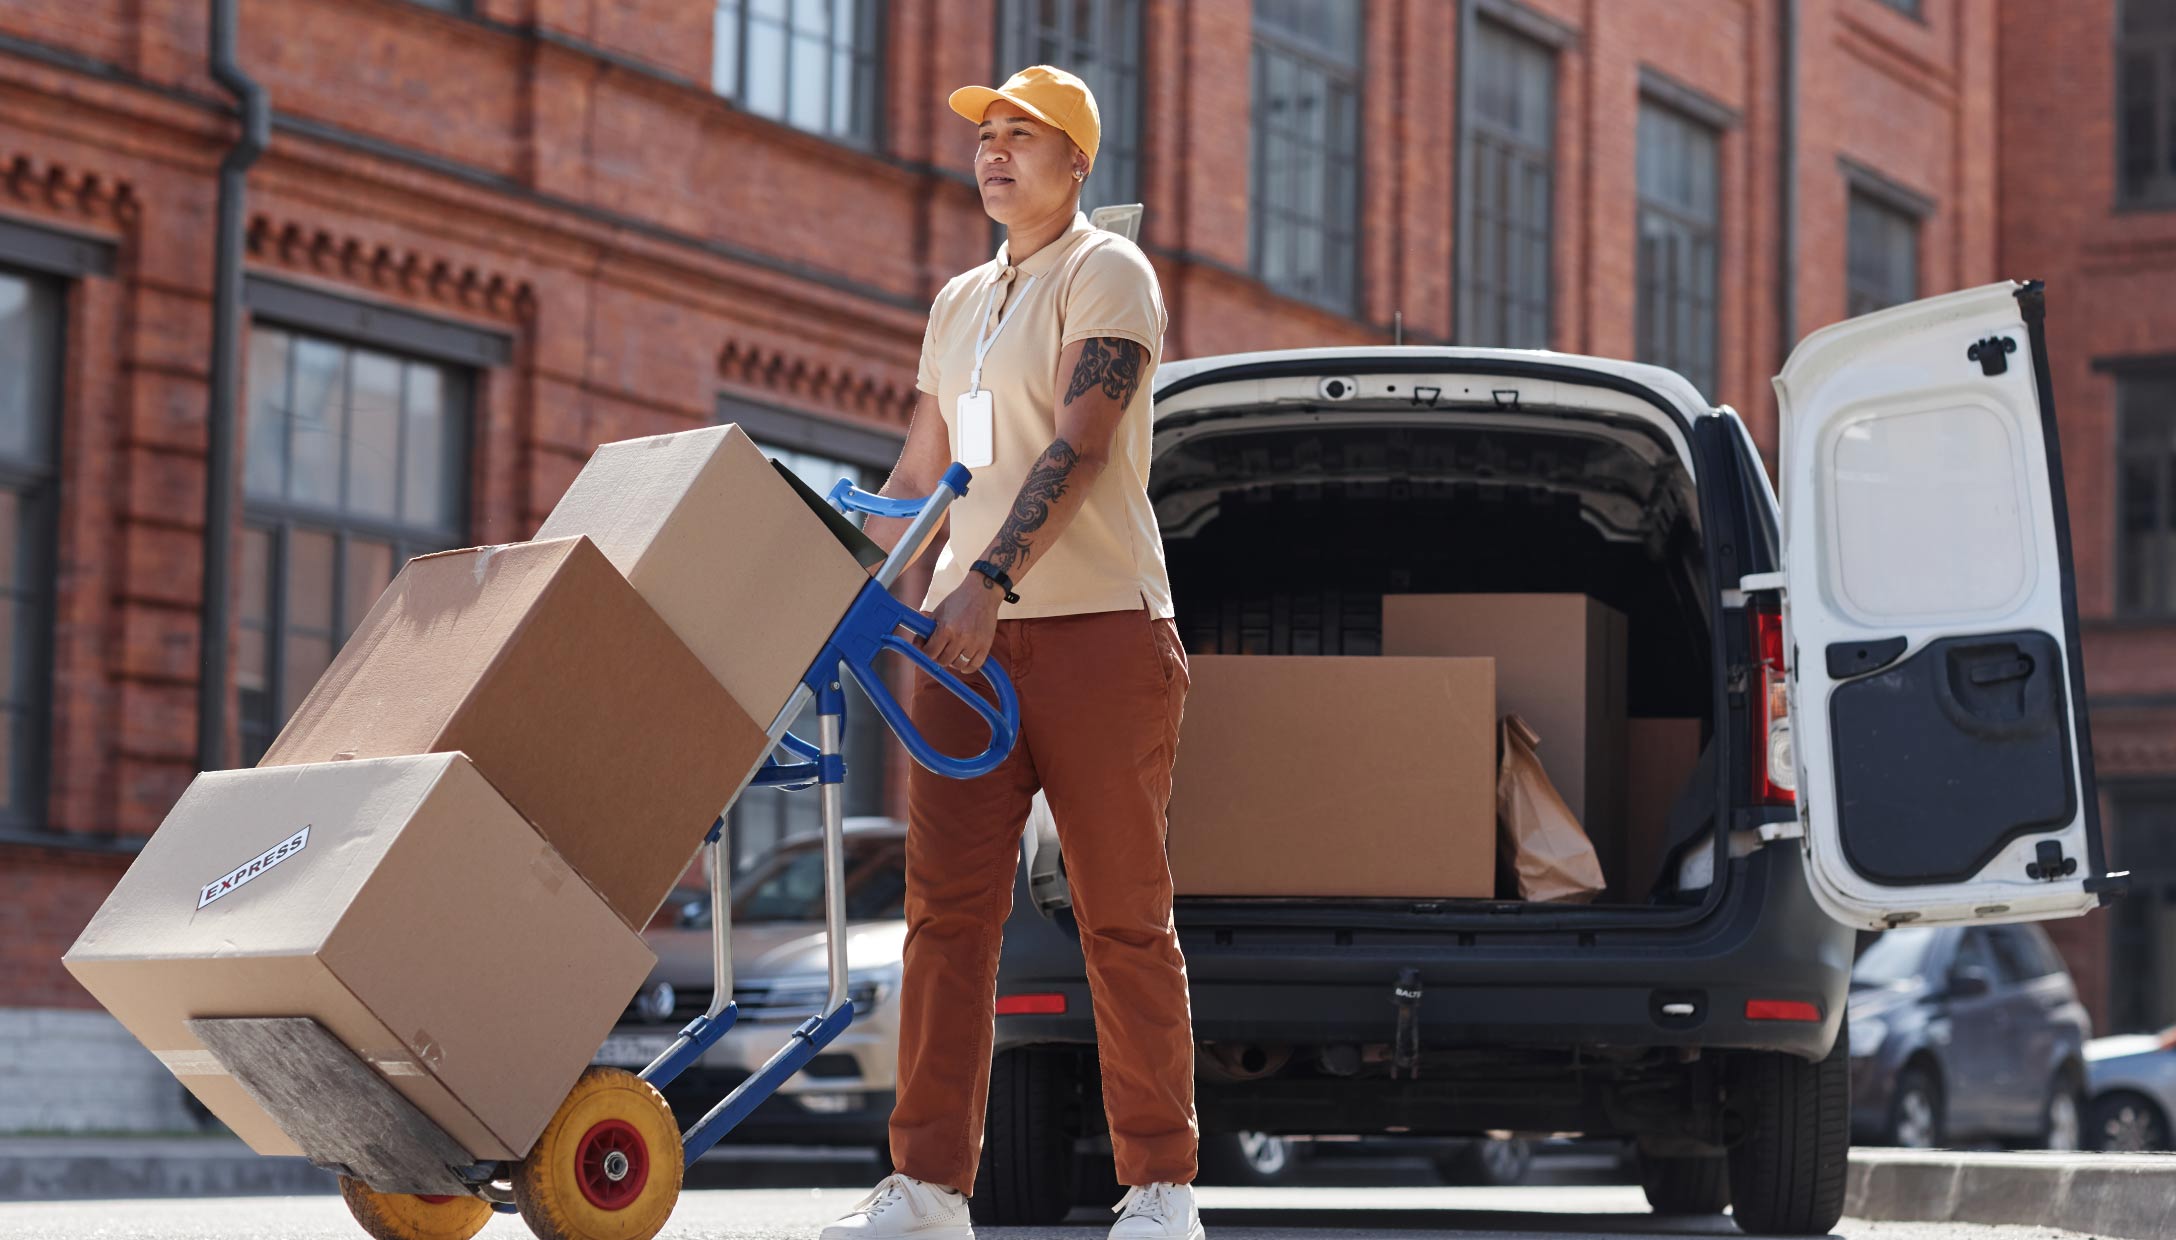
x: 1349, y: 1213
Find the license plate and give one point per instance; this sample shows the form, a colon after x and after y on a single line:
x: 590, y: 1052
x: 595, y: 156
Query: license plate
x: 632, y: 1050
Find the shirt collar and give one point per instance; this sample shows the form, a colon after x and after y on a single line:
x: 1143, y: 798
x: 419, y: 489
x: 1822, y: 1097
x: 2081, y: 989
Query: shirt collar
x: 1044, y: 259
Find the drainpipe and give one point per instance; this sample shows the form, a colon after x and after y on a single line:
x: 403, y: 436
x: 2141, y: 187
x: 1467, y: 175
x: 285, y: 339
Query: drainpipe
x: 256, y: 116
x: 1787, y: 186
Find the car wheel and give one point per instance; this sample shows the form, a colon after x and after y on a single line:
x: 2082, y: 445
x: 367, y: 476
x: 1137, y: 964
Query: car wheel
x: 1026, y: 1174
x: 1788, y: 1164
x: 2063, y: 1125
x: 1488, y: 1163
x: 1915, y: 1111
x: 2126, y: 1123
x: 1247, y: 1158
x: 1693, y: 1184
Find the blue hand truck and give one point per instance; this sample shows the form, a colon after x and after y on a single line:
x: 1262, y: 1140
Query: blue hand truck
x: 604, y: 1167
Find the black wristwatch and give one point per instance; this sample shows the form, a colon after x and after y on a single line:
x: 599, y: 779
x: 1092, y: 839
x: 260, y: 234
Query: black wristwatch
x: 997, y: 575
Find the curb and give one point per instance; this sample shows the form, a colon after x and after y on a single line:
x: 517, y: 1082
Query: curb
x: 2120, y: 1196
x: 63, y: 1168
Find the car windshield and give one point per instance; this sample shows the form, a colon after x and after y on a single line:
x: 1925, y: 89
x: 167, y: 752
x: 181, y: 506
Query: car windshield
x: 1897, y: 956
x: 788, y: 885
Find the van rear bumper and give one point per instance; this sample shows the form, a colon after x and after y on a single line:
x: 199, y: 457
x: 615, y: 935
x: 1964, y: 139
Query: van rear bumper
x: 1767, y: 942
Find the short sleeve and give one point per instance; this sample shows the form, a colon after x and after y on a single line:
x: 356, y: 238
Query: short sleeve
x: 1114, y: 293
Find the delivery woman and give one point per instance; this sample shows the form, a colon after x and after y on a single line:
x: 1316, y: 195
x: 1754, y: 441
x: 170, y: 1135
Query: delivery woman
x: 1035, y: 373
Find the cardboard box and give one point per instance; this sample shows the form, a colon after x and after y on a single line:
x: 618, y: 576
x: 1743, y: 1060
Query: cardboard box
x: 1322, y: 776
x: 1660, y: 755
x: 544, y: 666
x: 721, y: 544
x: 1560, y: 665
x: 399, y: 902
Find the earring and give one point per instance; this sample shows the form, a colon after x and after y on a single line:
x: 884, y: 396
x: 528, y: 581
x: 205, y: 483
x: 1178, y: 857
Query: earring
x: 1080, y: 176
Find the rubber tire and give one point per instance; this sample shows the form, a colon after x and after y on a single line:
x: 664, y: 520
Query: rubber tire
x: 546, y: 1187
x: 1787, y: 1171
x: 1223, y: 1160
x: 2109, y: 1107
x: 399, y: 1216
x: 1683, y: 1186
x: 1469, y: 1165
x: 1906, y: 1081
x: 2070, y: 1079
x: 1026, y: 1174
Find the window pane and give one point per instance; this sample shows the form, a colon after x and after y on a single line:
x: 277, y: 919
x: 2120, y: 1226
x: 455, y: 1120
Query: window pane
x: 1883, y: 258
x: 765, y: 89
x: 309, y: 580
x: 253, y: 673
x: 374, y: 412
x: 265, y: 468
x: 1504, y: 294
x: 810, y: 97
x: 2146, y: 494
x: 725, y: 48
x: 14, y: 563
x: 29, y: 365
x: 318, y: 423
x: 1677, y: 272
x: 434, y: 448
x: 369, y: 570
x: 304, y: 658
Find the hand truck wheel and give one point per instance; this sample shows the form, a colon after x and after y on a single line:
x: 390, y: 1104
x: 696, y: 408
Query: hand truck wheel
x: 608, y: 1165
x: 404, y: 1216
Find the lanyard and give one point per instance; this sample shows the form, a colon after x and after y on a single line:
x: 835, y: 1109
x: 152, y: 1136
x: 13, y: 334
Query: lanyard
x: 984, y: 337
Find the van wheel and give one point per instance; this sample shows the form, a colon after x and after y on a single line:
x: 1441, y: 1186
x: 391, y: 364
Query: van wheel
x: 1246, y: 1158
x: 1915, y: 1111
x: 1026, y: 1176
x: 1490, y: 1162
x: 1787, y: 1172
x: 1694, y: 1184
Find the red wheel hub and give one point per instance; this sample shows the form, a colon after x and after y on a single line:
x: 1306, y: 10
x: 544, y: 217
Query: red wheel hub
x: 612, y: 1164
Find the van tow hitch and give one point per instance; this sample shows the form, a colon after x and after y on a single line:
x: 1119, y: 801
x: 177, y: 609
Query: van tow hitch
x: 1405, y: 1049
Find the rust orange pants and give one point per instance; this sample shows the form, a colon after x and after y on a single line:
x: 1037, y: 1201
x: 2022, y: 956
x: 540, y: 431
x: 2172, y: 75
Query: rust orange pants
x: 1100, y: 699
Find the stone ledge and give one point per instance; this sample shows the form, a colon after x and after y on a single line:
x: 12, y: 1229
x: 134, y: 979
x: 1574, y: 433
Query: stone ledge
x: 2119, y: 1196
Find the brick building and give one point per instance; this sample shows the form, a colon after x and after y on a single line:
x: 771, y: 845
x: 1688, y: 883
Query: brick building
x: 489, y: 234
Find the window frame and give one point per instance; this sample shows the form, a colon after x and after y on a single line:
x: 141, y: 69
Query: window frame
x: 38, y: 488
x: 1681, y: 106
x: 1864, y: 184
x: 280, y: 518
x: 874, y: 19
x: 2159, y: 191
x: 1266, y: 40
x: 1505, y: 22
x: 2142, y: 372
x: 1018, y: 35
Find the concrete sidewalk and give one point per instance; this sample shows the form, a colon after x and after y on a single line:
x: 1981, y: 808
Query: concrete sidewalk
x: 2119, y: 1196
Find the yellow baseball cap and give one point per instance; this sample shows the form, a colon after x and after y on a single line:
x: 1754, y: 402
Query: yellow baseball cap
x: 1050, y: 95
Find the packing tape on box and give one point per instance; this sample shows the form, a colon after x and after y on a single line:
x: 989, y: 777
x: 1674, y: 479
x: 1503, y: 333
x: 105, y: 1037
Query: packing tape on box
x: 395, y: 1067
x: 191, y: 1063
x: 548, y: 870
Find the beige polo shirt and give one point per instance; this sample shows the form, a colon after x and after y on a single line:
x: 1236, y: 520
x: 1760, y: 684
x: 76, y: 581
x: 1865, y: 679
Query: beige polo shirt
x: 1088, y: 282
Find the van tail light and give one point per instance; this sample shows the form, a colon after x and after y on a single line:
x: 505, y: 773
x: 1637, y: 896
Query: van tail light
x: 1031, y: 1005
x: 1782, y: 1009
x: 1775, y: 765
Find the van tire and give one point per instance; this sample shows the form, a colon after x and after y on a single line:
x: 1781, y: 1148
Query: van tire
x: 1692, y: 1185
x: 1026, y: 1174
x: 1788, y: 1169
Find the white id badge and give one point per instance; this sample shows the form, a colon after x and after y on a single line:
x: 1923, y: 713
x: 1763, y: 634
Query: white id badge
x: 978, y: 431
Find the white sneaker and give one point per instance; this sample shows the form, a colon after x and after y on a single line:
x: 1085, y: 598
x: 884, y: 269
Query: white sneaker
x: 1158, y: 1212
x: 901, y: 1205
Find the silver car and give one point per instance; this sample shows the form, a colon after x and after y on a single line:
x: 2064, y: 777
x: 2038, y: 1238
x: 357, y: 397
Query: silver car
x: 845, y: 1095
x: 2132, y: 1083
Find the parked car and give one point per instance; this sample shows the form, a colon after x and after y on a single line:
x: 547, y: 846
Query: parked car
x: 1896, y: 637
x: 845, y: 1095
x: 1962, y: 1035
x: 1263, y: 1159
x: 2131, y: 1081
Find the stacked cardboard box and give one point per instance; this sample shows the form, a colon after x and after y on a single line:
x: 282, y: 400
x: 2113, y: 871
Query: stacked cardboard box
x: 446, y: 856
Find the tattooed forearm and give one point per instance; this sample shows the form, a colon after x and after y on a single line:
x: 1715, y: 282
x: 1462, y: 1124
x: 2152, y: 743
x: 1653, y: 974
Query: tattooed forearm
x: 1111, y: 363
x: 1046, y: 482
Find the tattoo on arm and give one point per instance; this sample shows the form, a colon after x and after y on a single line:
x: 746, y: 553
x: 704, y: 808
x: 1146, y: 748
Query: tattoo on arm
x: 1111, y: 363
x: 1046, y: 481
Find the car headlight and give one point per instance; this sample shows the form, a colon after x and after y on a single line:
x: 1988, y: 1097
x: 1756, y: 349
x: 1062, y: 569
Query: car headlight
x: 1867, y: 1035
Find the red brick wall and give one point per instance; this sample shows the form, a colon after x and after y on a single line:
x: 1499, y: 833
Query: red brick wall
x: 557, y: 170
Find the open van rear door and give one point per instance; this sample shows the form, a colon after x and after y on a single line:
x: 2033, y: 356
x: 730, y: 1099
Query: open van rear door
x: 1936, y: 697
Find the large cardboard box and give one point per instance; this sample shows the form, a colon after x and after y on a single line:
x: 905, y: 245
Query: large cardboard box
x: 1321, y: 776
x: 1560, y: 665
x: 399, y: 902
x: 544, y: 666
x: 1661, y: 754
x: 738, y: 562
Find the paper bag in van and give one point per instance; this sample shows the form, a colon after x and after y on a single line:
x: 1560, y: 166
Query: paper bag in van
x: 1549, y: 852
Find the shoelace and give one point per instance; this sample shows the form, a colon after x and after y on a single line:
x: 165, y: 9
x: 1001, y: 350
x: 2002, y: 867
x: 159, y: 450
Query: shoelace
x: 888, y: 1191
x: 1149, y: 1201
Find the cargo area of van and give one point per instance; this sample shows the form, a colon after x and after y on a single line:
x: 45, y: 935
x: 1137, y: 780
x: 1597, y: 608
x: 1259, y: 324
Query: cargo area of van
x: 1365, y: 594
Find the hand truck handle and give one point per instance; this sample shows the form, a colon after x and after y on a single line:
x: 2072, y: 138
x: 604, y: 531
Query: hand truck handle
x: 872, y: 627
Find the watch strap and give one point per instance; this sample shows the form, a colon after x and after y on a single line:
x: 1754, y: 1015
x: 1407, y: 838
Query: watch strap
x: 998, y: 576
